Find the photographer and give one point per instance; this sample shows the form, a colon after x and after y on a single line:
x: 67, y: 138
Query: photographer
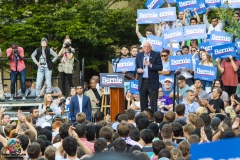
x: 15, y: 54
x: 48, y: 109
x: 61, y: 103
x: 65, y: 67
x: 42, y: 58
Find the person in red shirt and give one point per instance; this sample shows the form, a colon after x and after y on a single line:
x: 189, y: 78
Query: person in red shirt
x: 15, y: 54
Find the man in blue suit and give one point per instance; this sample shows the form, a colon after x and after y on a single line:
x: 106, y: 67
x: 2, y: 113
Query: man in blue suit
x: 80, y: 103
x: 148, y: 63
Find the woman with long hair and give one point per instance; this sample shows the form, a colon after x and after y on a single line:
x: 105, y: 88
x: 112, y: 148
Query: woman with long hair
x: 206, y: 61
x: 229, y: 70
x: 48, y: 109
x: 72, y: 93
x: 65, y: 67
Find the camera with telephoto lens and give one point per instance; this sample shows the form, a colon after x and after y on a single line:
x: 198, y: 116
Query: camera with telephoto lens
x: 62, y: 100
x: 48, y: 109
x: 15, y: 51
x: 67, y: 45
x: 42, y: 66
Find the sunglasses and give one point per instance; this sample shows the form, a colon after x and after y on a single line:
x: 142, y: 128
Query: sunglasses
x: 164, y: 55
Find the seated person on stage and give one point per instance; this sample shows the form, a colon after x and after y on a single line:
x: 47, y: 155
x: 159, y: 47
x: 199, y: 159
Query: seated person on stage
x: 55, y: 91
x: 134, y: 102
x: 199, y: 92
x: 215, y: 105
x: 5, y: 91
x: 48, y: 109
x: 30, y: 92
x: 183, y: 87
x: 167, y: 86
x: 164, y: 103
x: 190, y: 105
x: 225, y: 97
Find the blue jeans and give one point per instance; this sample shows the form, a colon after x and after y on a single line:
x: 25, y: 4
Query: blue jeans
x: 13, y: 77
x: 40, y: 75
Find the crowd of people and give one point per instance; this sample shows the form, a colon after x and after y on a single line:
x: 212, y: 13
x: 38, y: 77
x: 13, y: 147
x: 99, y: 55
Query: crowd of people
x: 151, y: 127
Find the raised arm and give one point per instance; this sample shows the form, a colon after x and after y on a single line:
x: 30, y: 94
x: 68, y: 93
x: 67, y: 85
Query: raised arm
x: 137, y: 30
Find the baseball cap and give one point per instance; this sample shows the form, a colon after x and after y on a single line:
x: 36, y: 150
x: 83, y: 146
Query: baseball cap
x: 168, y: 79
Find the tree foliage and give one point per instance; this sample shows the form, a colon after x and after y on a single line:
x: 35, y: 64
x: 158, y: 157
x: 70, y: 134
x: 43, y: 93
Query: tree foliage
x: 225, y: 14
x: 96, y: 30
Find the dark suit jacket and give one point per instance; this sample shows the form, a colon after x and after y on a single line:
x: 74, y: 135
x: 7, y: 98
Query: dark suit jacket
x: 153, y: 75
x: 74, y: 107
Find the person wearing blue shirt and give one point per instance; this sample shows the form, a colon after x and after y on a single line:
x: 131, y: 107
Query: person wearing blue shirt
x: 183, y: 87
x: 190, y: 105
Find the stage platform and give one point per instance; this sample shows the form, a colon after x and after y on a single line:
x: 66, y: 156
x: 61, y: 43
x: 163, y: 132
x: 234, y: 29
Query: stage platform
x: 30, y: 102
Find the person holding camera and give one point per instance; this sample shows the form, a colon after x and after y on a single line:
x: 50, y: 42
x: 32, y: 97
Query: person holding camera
x: 42, y: 58
x: 48, y: 109
x: 65, y: 67
x: 15, y: 54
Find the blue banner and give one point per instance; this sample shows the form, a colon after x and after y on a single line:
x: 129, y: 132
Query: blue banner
x: 219, y: 38
x: 213, y: 3
x: 180, y: 62
x: 147, y: 16
x: 167, y: 14
x: 171, y: 1
x: 173, y: 35
x: 186, y: 5
x: 205, y: 73
x: 227, y: 149
x: 156, y: 42
x: 201, y: 8
x: 153, y: 4
x: 124, y: 64
x: 134, y: 86
x: 113, y: 80
x: 224, y: 51
x: 237, y: 44
x: 195, y: 32
x: 231, y: 3
x: 206, y: 46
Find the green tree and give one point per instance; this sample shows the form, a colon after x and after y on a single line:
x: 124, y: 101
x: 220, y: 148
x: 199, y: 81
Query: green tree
x: 96, y: 30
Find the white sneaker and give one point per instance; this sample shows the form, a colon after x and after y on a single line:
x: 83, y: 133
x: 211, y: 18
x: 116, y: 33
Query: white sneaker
x: 23, y: 98
x: 11, y: 99
x: 37, y: 99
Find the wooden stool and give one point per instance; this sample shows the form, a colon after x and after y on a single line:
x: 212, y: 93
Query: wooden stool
x: 104, y: 104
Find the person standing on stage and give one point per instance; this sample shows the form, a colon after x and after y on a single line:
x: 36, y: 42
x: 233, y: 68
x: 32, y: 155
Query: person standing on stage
x: 148, y: 63
x: 66, y: 65
x: 15, y: 54
x: 42, y: 58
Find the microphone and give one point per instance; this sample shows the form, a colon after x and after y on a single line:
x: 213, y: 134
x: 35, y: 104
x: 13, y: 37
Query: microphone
x: 145, y: 59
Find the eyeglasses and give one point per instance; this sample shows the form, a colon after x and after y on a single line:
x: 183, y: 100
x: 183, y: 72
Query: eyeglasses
x: 180, y: 82
x: 164, y: 55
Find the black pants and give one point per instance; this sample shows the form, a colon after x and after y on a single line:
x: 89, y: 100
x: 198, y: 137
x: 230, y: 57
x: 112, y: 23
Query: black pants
x: 69, y: 79
x: 145, y: 92
x: 230, y: 90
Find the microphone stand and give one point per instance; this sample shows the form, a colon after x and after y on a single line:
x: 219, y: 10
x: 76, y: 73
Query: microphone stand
x: 175, y: 86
